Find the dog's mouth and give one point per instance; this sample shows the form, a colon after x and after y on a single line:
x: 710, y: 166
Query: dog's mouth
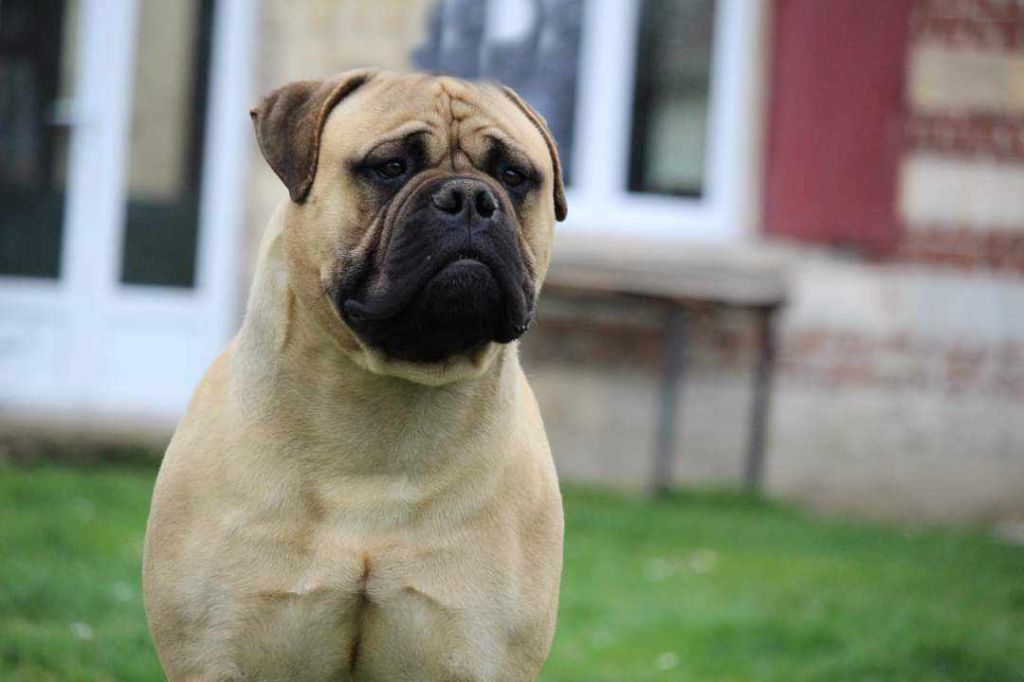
x: 392, y: 299
x: 442, y: 307
x: 463, y: 265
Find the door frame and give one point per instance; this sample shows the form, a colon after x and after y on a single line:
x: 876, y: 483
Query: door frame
x: 86, y: 306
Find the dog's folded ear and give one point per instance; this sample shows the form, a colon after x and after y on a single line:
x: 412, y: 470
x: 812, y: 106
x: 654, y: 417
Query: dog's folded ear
x: 561, y: 208
x: 289, y: 121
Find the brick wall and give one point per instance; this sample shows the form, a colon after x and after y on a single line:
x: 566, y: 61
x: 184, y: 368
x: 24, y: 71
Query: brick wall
x: 963, y: 171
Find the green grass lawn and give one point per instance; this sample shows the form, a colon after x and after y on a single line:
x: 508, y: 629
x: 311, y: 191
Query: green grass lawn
x: 697, y: 587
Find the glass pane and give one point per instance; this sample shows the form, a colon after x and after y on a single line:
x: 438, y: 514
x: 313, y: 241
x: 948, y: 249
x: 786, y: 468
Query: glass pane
x: 670, y: 105
x: 36, y: 78
x: 164, y: 172
x: 530, y: 45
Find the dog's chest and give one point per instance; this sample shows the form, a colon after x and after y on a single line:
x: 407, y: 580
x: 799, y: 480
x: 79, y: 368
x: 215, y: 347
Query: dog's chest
x: 325, y: 602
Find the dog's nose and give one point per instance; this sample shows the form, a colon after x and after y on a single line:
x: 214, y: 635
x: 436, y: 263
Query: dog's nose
x: 468, y: 196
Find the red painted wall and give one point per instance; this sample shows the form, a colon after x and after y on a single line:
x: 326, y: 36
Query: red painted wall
x: 835, y: 120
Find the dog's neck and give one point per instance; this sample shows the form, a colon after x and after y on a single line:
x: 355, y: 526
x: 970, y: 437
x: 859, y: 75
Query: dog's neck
x: 290, y: 372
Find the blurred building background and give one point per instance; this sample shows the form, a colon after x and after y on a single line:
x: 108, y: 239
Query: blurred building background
x: 868, y: 154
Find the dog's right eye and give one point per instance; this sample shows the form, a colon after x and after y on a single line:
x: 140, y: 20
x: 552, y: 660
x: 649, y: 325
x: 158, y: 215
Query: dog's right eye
x: 391, y: 169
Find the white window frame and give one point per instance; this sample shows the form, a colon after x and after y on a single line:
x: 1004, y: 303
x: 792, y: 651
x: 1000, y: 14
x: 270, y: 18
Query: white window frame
x: 75, y: 347
x: 599, y: 199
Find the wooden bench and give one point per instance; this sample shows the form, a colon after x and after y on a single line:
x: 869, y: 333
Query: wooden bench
x: 677, y: 288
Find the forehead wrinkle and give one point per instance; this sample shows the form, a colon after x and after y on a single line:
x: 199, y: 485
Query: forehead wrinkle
x: 513, y: 121
x: 468, y: 111
x: 446, y: 108
x: 498, y: 126
x: 498, y: 136
x: 397, y: 134
x: 461, y: 103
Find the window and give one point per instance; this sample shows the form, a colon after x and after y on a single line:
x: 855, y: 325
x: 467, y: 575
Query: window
x: 670, y: 100
x: 36, y: 73
x: 172, y: 60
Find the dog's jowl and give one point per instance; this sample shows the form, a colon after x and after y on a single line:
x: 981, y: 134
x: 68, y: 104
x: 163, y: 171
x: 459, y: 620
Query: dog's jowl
x: 361, y: 488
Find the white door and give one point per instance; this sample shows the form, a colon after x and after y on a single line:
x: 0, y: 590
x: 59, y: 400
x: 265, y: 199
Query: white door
x: 122, y: 155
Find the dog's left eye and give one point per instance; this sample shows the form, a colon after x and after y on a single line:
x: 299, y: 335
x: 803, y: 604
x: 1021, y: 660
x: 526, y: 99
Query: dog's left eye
x: 391, y: 169
x: 512, y: 177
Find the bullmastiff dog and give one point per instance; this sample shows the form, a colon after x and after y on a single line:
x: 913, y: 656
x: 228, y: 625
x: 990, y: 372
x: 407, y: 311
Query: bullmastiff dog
x: 361, y: 488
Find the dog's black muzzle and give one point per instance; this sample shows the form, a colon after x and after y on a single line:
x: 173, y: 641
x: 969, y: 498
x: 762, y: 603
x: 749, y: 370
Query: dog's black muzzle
x: 450, y: 278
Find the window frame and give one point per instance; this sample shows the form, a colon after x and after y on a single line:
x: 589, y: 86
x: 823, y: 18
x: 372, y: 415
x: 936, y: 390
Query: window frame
x: 94, y: 336
x: 599, y: 198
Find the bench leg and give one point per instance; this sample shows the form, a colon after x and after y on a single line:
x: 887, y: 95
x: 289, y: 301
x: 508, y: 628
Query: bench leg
x: 763, y: 377
x: 672, y: 372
